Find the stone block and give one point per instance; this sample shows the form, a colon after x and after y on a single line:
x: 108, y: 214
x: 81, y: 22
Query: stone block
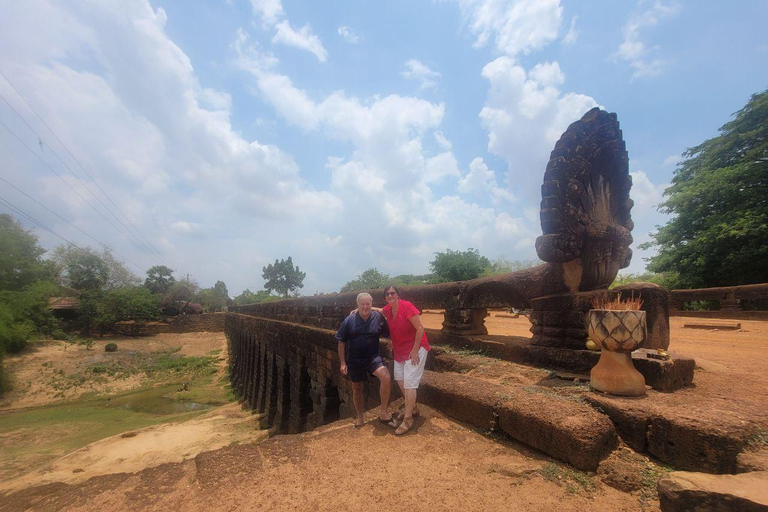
x: 656, y: 306
x: 700, y: 492
x: 664, y: 375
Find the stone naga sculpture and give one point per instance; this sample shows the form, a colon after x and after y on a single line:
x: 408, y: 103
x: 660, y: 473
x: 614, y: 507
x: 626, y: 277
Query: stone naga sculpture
x: 585, y: 205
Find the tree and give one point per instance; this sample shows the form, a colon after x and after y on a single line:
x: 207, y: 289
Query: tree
x: 719, y: 198
x: 413, y: 279
x: 215, y: 298
x: 368, y: 280
x: 159, y: 279
x: 118, y: 274
x: 282, y: 277
x: 180, y: 297
x: 459, y: 266
x: 503, y: 265
x: 20, y: 262
x: 248, y: 297
x: 88, y: 272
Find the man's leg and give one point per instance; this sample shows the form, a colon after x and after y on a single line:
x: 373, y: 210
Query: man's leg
x: 357, y: 398
x: 385, y: 389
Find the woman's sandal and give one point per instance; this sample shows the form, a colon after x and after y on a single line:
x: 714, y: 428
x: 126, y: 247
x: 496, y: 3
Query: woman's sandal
x: 391, y: 422
x: 401, y: 415
x: 404, y: 427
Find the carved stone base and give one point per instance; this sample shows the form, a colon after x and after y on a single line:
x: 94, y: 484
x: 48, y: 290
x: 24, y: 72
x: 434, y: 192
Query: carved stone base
x: 465, y: 321
x: 560, y: 320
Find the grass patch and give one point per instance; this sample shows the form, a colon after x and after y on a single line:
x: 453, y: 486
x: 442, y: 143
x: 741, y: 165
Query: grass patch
x: 651, y: 474
x: 168, y: 362
x: 575, y: 481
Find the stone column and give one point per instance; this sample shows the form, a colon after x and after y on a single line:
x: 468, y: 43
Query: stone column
x: 465, y: 321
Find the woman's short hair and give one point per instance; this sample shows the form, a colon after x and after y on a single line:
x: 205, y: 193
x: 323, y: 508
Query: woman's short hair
x: 384, y: 293
x: 363, y: 295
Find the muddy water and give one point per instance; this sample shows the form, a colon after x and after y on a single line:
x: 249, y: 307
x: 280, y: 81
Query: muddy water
x: 155, y: 401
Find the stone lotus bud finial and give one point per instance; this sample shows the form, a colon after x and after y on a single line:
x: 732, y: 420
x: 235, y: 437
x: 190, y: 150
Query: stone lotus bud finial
x: 585, y: 205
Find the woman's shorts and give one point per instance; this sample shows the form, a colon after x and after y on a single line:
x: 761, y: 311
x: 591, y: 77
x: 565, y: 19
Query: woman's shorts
x: 411, y: 373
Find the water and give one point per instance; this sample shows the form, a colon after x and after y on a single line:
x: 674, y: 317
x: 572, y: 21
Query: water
x: 155, y: 401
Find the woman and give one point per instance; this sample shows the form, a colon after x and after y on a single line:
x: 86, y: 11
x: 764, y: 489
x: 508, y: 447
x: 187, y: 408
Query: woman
x: 410, y: 348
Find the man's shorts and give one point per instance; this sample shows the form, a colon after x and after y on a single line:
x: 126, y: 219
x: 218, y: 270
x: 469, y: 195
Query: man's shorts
x: 410, y: 373
x: 359, y: 371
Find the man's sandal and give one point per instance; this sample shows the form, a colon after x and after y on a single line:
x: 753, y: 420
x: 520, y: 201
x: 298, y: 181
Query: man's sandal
x: 391, y: 422
x: 404, y: 427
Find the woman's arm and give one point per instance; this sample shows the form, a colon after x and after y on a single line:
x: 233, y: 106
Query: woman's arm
x: 416, y: 322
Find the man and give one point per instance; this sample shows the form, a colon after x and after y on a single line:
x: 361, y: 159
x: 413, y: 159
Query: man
x: 359, y: 334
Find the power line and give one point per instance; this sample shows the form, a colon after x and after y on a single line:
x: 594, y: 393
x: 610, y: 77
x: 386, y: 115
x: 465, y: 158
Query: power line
x: 41, y: 143
x: 68, y: 184
x: 79, y: 164
x: 13, y: 208
x: 105, y: 246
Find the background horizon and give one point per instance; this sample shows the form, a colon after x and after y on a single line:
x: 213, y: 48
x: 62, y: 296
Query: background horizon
x: 216, y: 139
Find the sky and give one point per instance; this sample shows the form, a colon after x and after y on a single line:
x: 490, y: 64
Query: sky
x: 215, y: 137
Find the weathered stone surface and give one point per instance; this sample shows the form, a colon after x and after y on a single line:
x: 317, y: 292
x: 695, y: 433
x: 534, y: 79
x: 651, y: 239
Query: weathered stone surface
x: 585, y: 206
x: 622, y: 470
x: 664, y: 375
x: 465, y: 321
x: 752, y: 461
x: 656, y: 307
x: 700, y: 492
x: 568, y: 431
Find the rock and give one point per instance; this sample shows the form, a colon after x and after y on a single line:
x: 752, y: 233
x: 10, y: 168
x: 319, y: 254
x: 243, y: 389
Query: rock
x: 752, y: 461
x: 701, y: 492
x: 622, y: 470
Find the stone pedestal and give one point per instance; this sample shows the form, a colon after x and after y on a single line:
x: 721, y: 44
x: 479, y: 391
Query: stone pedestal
x: 465, y: 321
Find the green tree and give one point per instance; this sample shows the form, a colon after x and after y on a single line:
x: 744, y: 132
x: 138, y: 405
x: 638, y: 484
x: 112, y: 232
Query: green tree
x: 503, y: 265
x: 118, y: 274
x: 413, y: 279
x: 20, y: 262
x: 179, y: 298
x: 459, y: 266
x: 283, y: 277
x: 719, y: 199
x: 367, y: 280
x: 87, y: 272
x: 248, y: 297
x: 215, y: 298
x: 159, y: 279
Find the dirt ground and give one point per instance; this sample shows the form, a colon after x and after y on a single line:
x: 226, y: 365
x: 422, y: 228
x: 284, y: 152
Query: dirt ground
x: 442, y: 465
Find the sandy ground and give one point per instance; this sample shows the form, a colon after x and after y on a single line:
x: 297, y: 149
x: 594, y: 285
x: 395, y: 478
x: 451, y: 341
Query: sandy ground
x: 46, y: 372
x: 442, y: 465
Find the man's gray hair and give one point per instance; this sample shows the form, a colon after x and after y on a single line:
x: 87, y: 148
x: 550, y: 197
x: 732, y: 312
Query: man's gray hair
x: 364, y: 295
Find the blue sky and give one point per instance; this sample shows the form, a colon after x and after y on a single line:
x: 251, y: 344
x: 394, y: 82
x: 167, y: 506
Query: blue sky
x: 346, y: 134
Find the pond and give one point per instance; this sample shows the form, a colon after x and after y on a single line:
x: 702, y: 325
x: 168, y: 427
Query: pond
x: 155, y: 401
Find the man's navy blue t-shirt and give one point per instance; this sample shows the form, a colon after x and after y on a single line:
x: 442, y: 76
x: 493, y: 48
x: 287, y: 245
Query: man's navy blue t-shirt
x: 362, y: 337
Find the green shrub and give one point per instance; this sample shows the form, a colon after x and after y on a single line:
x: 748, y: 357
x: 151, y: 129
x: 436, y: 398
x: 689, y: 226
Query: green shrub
x: 110, y: 347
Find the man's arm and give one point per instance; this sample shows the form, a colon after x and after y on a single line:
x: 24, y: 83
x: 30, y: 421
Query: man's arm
x: 342, y: 358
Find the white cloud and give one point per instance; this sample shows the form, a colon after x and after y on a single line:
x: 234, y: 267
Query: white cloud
x: 126, y: 101
x: 517, y: 26
x: 672, y: 160
x: 481, y: 181
x: 349, y: 35
x: 418, y: 71
x: 633, y: 50
x: 572, y: 35
x: 525, y: 114
x: 644, y: 193
x: 303, y: 39
x: 272, y: 16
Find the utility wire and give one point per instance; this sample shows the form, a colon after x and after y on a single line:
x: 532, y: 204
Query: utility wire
x: 105, y: 246
x: 68, y: 184
x: 19, y: 211
x: 78, y: 163
x: 41, y: 142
